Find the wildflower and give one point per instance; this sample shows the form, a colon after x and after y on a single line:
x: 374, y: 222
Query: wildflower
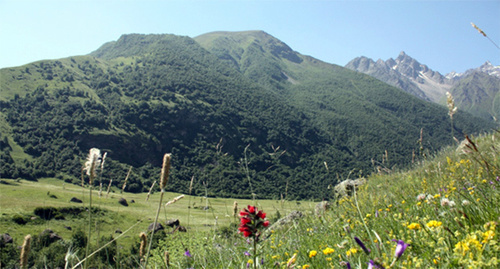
x: 363, y: 247
x: 251, y: 221
x: 247, y: 253
x: 347, y: 264
x: 488, y: 235
x: 447, y: 202
x: 373, y: 264
x: 465, y: 202
x: 400, y: 249
x: 305, y: 266
x: 312, y: 253
x: 187, y: 254
x: 249, y: 262
x: 434, y: 223
x: 328, y: 250
x: 414, y: 226
x: 291, y: 260
x: 351, y: 252
x: 466, y: 245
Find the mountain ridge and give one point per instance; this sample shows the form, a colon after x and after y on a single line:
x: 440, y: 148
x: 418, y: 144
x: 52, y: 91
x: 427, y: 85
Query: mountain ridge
x: 242, y: 114
x: 419, y: 80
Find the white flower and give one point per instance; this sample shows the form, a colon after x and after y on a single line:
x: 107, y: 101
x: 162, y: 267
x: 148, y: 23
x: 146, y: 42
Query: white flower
x: 465, y: 202
x: 447, y: 202
x: 421, y: 197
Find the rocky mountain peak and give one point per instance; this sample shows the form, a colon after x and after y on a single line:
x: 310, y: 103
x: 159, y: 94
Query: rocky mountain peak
x: 487, y: 68
x: 405, y: 73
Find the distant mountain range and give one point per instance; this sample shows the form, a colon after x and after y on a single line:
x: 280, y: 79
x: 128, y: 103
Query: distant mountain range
x: 476, y: 90
x: 242, y: 112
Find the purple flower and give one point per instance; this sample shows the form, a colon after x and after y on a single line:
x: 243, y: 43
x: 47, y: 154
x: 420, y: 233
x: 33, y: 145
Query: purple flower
x: 247, y: 253
x: 400, y: 248
x: 373, y: 264
x: 365, y: 249
x: 187, y: 253
x: 347, y: 264
x: 262, y: 261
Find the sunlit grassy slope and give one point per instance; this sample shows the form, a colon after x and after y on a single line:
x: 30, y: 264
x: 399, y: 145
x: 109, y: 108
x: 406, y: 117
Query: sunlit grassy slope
x: 445, y: 209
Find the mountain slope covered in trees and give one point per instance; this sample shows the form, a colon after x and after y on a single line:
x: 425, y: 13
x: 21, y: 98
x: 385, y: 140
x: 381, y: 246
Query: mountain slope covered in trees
x: 241, y: 112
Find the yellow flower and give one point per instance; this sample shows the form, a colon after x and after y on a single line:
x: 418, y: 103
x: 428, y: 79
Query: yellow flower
x: 275, y: 257
x: 351, y: 252
x: 329, y: 259
x: 488, y: 235
x: 327, y: 251
x: 312, y: 253
x: 414, y: 226
x: 466, y: 245
x: 291, y: 260
x: 250, y: 261
x: 305, y: 266
x: 434, y: 223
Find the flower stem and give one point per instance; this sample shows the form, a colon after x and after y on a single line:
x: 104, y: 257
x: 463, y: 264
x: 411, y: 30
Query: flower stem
x: 255, y: 252
x: 154, y: 228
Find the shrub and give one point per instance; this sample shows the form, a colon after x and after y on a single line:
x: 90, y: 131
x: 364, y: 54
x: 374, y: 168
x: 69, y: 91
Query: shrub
x: 20, y: 219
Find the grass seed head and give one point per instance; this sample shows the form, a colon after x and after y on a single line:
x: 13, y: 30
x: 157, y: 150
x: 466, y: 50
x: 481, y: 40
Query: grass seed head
x: 142, y: 249
x: 165, y: 170
x: 25, y: 250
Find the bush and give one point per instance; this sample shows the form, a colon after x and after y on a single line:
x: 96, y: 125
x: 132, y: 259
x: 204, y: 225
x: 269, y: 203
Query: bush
x: 20, y: 219
x: 46, y: 212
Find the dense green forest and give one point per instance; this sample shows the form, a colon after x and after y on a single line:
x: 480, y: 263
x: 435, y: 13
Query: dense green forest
x: 240, y: 112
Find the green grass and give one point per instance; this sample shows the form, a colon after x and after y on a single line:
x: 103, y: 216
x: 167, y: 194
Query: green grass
x: 21, y: 197
x: 386, y: 208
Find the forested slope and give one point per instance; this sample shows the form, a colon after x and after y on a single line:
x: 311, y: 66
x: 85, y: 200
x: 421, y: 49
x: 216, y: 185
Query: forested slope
x: 265, y: 124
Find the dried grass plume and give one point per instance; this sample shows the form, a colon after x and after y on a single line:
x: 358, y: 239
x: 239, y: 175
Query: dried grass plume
x: 25, y: 251
x: 165, y: 170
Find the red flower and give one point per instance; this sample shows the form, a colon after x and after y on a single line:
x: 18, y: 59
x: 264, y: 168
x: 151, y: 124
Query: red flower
x: 251, y: 209
x: 251, y: 221
x: 261, y: 215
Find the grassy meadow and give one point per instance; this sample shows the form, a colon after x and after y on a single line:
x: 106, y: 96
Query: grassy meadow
x: 443, y: 213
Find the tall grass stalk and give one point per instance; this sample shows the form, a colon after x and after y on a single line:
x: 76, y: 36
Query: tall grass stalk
x: 452, y: 109
x: 165, y: 170
x: 25, y: 250
x: 247, y: 172
x: 93, y: 161
x: 126, y: 178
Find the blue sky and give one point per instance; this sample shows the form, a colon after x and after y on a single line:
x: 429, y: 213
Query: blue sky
x: 436, y: 33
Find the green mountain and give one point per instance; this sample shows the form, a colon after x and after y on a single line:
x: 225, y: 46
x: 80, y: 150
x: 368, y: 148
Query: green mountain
x: 241, y: 112
x: 479, y: 94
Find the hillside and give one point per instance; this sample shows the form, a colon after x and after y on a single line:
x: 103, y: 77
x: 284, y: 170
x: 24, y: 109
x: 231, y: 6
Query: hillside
x: 479, y: 94
x: 442, y: 213
x: 272, y: 122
